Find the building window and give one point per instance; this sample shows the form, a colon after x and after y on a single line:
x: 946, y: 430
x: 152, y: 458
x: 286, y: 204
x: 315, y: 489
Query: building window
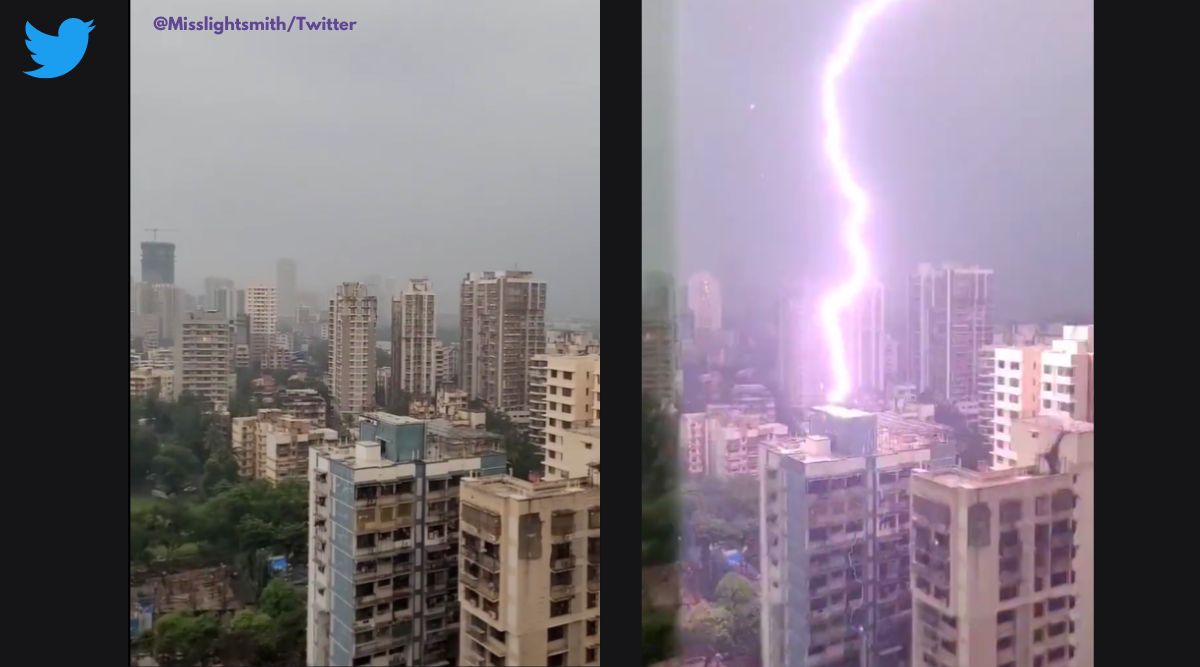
x: 1046, y: 386
x: 560, y: 608
x: 1000, y: 363
x: 593, y: 600
x: 1014, y: 382
x: 1016, y: 365
x: 592, y: 654
x: 593, y: 627
x: 555, y: 633
x: 1046, y: 404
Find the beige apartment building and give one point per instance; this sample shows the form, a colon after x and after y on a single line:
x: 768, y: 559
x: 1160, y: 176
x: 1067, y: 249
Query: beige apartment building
x: 503, y: 323
x: 1002, y: 571
x: 273, y: 445
x: 580, y: 451
x: 143, y: 381
x: 529, y: 574
x: 352, y: 318
x: 414, y: 340
x: 204, y: 358
x: 564, y: 392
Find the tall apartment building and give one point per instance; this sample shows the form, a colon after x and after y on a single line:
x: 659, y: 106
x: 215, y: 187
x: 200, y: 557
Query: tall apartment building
x: 835, y: 544
x: 352, y: 318
x: 802, y: 363
x: 503, y: 322
x: 158, y: 263
x: 867, y: 341
x: 204, y: 358
x: 384, y: 567
x: 1002, y: 564
x: 273, y: 445
x: 1068, y: 375
x: 262, y: 308
x: 307, y: 404
x: 285, y: 288
x: 414, y: 340
x: 529, y: 572
x: 562, y: 396
x: 949, y: 321
x: 446, y: 361
x: 704, y: 302
x: 1016, y: 386
x: 659, y: 343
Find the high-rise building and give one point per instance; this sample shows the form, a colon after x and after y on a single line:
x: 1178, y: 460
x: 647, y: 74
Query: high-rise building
x: 949, y: 322
x: 204, y: 358
x: 446, y: 355
x: 352, y: 319
x: 383, y: 570
x: 562, y: 395
x: 704, y: 302
x: 529, y: 571
x: 262, y: 307
x: 866, y: 347
x: 1002, y: 565
x: 1068, y: 375
x: 285, y: 285
x: 802, y: 362
x: 414, y: 340
x: 659, y: 344
x: 835, y: 544
x: 167, y: 307
x: 1015, y: 394
x: 503, y: 323
x: 219, y: 296
x: 158, y: 263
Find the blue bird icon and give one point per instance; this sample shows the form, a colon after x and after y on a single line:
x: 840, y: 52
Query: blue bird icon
x: 57, y: 55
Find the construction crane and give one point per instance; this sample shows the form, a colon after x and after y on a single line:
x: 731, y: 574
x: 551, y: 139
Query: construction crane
x: 156, y: 230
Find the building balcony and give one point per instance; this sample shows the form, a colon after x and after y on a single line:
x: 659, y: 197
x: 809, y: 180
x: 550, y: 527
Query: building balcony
x: 562, y: 564
x: 489, y: 563
x: 562, y: 591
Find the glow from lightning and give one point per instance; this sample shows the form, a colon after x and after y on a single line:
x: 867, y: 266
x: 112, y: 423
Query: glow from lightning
x: 838, y: 299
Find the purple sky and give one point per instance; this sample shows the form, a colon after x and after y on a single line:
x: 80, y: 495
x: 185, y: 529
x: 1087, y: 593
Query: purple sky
x: 969, y: 122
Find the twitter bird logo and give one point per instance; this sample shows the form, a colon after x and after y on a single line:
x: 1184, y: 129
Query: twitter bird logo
x: 57, y: 55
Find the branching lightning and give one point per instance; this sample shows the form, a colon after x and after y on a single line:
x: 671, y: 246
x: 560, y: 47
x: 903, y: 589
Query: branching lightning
x: 838, y: 299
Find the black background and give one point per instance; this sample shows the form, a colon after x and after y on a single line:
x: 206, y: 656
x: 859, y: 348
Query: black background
x: 65, y: 464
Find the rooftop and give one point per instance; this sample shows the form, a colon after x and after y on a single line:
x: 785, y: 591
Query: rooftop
x: 961, y: 478
x: 1054, y: 422
x: 389, y: 418
x: 587, y: 431
x: 839, y: 412
x: 506, y: 486
x: 443, y: 428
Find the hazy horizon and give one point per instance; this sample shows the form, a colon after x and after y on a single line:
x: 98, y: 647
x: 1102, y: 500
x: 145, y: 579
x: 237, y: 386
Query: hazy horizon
x: 433, y: 140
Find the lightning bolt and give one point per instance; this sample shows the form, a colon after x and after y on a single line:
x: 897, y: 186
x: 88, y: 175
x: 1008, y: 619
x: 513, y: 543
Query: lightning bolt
x: 841, y: 297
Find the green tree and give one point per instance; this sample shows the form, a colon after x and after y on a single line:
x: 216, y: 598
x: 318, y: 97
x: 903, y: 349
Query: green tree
x: 707, y: 631
x: 174, y: 466
x: 182, y: 640
x: 143, y: 448
x: 286, y: 607
x: 250, y: 639
x: 740, y: 598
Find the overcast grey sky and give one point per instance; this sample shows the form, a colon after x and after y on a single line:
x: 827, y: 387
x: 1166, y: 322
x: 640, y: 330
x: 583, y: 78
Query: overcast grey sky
x: 436, y: 138
x: 970, y: 122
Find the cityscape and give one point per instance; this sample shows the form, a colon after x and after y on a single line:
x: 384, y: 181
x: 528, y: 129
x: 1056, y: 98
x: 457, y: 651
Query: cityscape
x: 364, y: 332
x: 868, y: 342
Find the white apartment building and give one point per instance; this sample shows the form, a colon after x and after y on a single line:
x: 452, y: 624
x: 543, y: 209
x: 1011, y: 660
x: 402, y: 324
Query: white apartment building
x: 563, y: 395
x: 446, y: 361
x: 1068, y: 377
x: 352, y: 319
x: 866, y: 345
x: 1016, y: 373
x: 263, y: 310
x: 273, y: 445
x: 414, y: 340
x: 204, y: 358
